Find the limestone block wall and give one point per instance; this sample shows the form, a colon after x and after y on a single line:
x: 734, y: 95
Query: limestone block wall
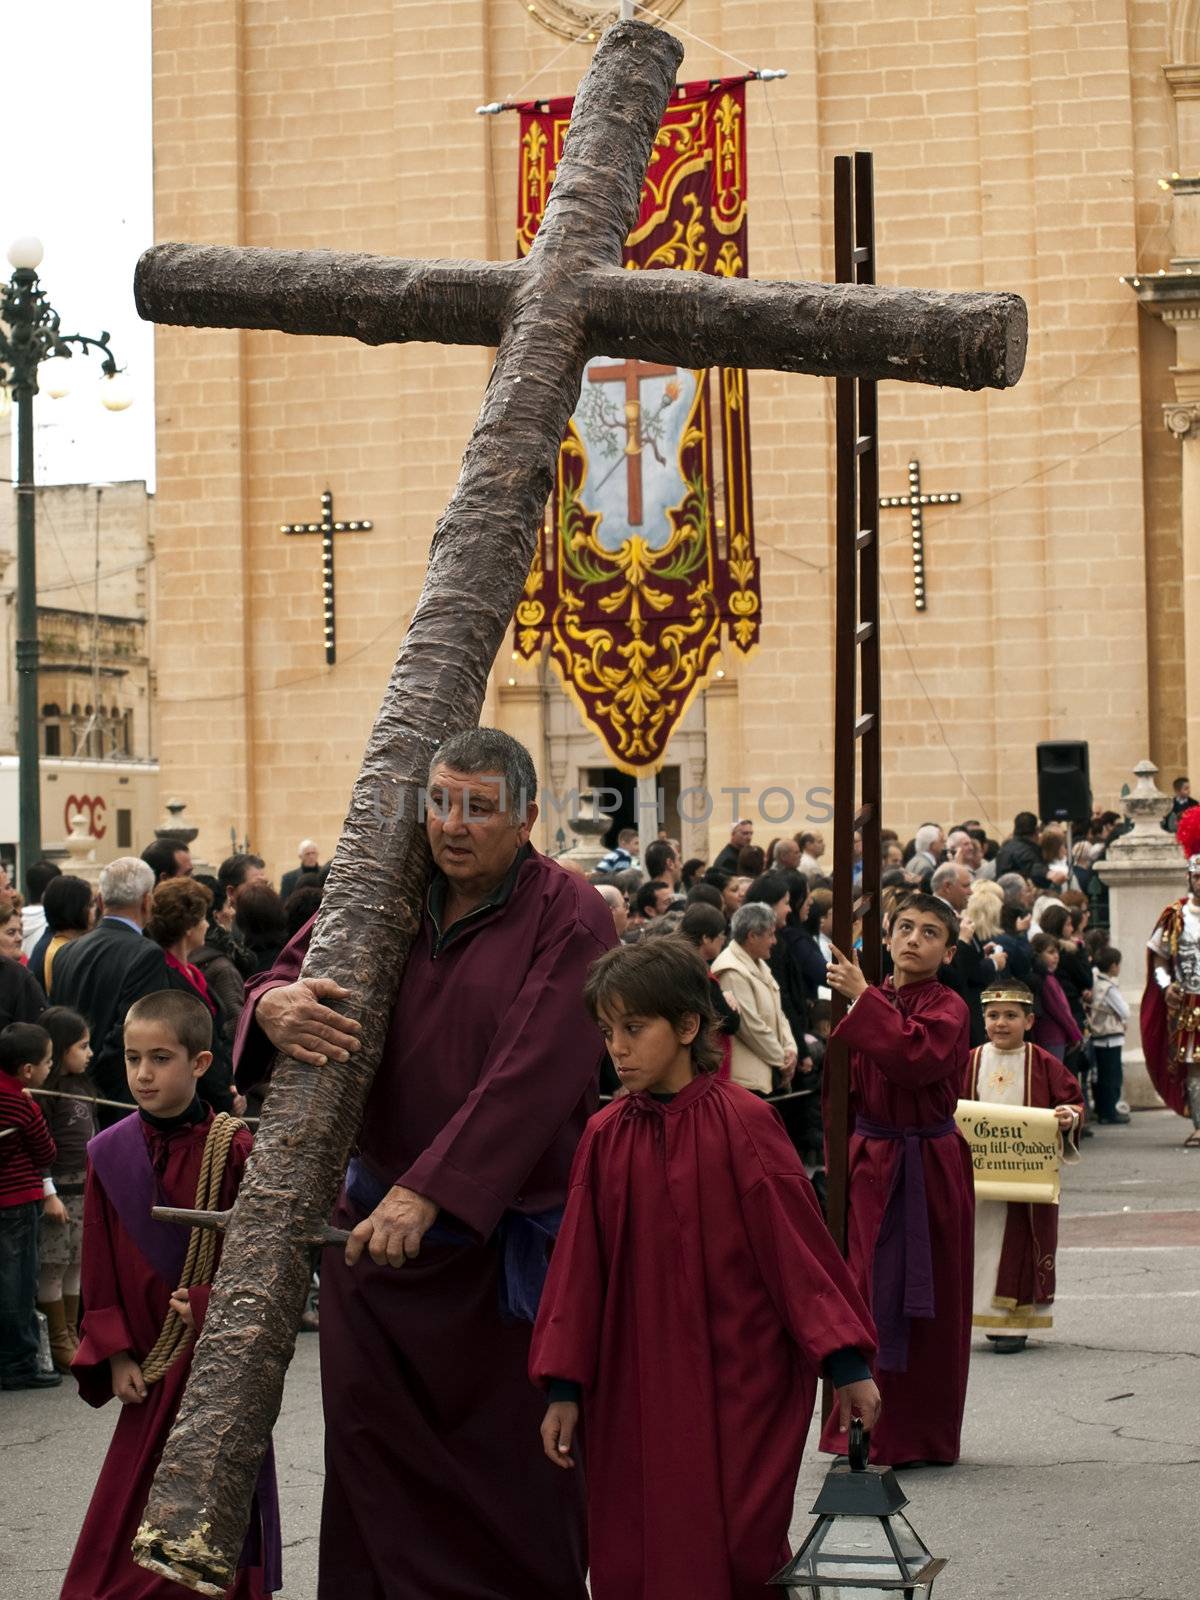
x: 1016, y: 147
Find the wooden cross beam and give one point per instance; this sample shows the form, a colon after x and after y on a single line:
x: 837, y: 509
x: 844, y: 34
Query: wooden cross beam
x: 568, y: 300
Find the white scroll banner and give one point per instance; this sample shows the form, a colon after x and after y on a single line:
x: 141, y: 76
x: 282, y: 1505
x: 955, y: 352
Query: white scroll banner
x: 1015, y: 1151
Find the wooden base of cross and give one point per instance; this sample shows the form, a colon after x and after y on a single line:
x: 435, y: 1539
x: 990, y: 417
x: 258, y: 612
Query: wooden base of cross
x: 327, y: 527
x: 568, y: 300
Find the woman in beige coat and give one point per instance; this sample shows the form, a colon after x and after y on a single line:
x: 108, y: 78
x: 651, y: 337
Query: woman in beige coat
x: 763, y: 1044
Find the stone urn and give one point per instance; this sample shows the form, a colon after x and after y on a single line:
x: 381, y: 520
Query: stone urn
x: 589, y: 825
x: 1143, y: 871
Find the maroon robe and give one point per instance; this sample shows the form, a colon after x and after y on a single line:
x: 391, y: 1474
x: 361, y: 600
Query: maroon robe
x: 909, y: 1051
x: 1026, y: 1274
x: 694, y: 1293
x: 436, y: 1486
x: 126, y: 1301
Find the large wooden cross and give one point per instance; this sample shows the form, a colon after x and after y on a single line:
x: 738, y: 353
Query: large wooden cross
x: 568, y: 300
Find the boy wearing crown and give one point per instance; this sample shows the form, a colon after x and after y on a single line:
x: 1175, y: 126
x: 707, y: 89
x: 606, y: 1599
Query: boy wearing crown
x: 1015, y: 1243
x: 1170, y: 1016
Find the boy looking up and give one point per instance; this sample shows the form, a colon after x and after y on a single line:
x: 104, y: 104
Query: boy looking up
x: 1015, y: 1245
x: 693, y: 1298
x: 912, y: 1201
x: 132, y: 1294
x: 26, y: 1151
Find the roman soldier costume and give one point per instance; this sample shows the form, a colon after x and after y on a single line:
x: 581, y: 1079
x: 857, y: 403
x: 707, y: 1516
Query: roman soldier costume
x: 1171, y: 1004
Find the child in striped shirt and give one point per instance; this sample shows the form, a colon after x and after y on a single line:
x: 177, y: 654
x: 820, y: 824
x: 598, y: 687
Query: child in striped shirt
x: 26, y: 1151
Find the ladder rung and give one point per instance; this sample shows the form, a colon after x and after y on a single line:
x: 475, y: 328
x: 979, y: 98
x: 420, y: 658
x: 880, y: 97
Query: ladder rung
x: 863, y: 815
x: 864, y: 724
x: 864, y: 631
x: 864, y: 537
x: 863, y: 253
x: 864, y: 442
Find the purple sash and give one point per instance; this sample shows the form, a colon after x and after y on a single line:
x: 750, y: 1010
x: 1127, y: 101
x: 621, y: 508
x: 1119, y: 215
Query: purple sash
x: 121, y: 1160
x: 902, y: 1277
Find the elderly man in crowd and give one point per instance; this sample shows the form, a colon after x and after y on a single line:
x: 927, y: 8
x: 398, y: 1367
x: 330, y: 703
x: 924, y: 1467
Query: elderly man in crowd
x: 615, y: 901
x: 785, y: 857
x: 740, y: 836
x: 929, y: 851
x: 434, y: 1471
x: 103, y: 972
x: 310, y: 861
x: 763, y: 1050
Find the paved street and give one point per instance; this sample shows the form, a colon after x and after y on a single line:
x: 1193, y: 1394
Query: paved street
x: 1080, y: 1472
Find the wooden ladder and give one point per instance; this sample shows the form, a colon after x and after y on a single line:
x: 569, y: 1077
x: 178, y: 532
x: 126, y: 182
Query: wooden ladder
x: 857, y: 778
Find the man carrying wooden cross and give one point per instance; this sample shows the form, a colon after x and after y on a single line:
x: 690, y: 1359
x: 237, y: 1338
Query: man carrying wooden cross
x: 433, y: 1484
x: 568, y: 300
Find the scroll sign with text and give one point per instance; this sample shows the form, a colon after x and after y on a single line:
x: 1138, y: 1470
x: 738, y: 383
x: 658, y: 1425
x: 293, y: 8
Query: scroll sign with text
x: 1016, y: 1151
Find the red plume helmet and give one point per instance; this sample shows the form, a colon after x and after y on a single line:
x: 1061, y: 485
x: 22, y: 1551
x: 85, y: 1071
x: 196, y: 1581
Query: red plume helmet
x: 1188, y: 833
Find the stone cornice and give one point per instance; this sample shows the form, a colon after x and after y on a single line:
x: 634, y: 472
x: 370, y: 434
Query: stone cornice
x: 1184, y: 79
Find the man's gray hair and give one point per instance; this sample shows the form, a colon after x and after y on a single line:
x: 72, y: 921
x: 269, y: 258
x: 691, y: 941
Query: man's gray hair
x: 125, y: 882
x: 493, y: 751
x: 926, y: 834
x: 948, y: 872
x: 754, y: 918
x: 1013, y: 884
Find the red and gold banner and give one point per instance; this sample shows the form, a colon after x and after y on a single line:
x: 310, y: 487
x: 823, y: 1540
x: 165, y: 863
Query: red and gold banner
x: 637, y: 577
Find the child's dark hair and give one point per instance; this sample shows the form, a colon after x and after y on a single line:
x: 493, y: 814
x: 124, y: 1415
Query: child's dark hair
x: 1016, y: 993
x: 820, y: 1011
x: 22, y: 1044
x: 66, y: 1028
x: 931, y: 906
x: 1043, y: 943
x: 704, y: 894
x: 701, y: 921
x: 661, y: 978
x: 1107, y: 956
x: 186, y: 1015
x: 1054, y: 921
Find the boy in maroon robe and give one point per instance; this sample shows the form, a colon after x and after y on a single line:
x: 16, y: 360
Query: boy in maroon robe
x: 131, y: 1271
x: 693, y: 1298
x: 1015, y: 1245
x: 912, y: 1199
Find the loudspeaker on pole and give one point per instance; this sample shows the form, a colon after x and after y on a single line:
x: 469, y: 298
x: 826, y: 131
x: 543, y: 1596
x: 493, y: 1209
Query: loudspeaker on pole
x: 1064, y: 781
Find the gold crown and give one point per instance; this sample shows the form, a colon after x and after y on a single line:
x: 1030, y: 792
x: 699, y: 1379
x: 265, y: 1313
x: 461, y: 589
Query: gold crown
x: 1006, y: 992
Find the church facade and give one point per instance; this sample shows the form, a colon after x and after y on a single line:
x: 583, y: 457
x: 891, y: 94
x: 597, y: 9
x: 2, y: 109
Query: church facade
x: 1028, y: 148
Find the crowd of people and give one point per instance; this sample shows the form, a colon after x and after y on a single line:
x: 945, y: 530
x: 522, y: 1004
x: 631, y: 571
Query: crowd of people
x: 73, y: 960
x: 1027, y: 906
x: 701, y: 995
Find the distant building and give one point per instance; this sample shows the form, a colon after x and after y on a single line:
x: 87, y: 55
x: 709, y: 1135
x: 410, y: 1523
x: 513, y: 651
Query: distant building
x: 96, y: 726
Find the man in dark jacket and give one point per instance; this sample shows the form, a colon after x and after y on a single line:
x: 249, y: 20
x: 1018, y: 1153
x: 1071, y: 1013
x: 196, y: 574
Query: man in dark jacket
x: 1021, y: 853
x: 105, y: 971
x: 310, y: 861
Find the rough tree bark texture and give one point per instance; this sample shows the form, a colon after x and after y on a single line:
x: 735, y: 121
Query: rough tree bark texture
x: 964, y: 340
x: 568, y: 300
x: 198, y: 1510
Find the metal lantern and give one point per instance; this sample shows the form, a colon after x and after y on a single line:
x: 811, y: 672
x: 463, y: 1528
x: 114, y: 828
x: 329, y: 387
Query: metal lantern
x: 862, y: 1545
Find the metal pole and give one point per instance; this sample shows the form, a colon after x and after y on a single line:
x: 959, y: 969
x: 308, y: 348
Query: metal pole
x: 28, y: 753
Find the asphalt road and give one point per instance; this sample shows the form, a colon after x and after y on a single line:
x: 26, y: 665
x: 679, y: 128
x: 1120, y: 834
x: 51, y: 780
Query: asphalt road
x: 1079, y: 1478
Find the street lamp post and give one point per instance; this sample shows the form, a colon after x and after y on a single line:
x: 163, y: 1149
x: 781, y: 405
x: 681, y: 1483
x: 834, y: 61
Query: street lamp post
x: 29, y: 335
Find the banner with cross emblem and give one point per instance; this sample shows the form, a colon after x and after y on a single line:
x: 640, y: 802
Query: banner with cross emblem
x: 641, y: 570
